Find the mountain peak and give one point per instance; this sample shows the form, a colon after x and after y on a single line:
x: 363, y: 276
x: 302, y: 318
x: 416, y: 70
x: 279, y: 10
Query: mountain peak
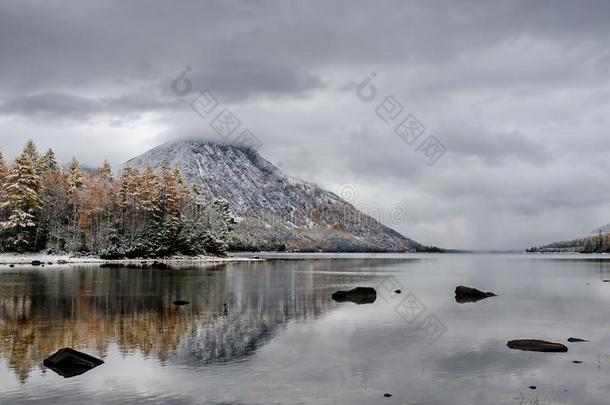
x: 273, y: 210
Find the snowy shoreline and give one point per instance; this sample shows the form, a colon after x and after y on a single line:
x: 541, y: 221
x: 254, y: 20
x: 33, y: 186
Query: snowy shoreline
x: 44, y: 258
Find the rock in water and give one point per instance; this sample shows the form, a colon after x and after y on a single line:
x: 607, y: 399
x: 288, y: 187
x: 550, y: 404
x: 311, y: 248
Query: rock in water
x: 69, y: 363
x: 534, y: 345
x: 36, y: 263
x: 181, y: 302
x: 467, y: 294
x: 574, y: 340
x: 358, y: 295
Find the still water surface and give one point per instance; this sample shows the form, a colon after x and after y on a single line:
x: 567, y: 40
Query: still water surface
x: 269, y: 333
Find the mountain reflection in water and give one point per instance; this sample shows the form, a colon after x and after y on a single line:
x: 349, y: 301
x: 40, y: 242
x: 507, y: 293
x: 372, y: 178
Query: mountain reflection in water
x: 232, y: 310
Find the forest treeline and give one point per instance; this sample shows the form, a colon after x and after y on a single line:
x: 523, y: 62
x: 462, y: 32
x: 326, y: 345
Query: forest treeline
x: 591, y: 244
x: 138, y: 213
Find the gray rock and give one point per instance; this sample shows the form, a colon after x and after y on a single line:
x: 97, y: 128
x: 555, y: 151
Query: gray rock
x: 467, y: 294
x: 69, y: 362
x: 534, y: 345
x: 358, y: 295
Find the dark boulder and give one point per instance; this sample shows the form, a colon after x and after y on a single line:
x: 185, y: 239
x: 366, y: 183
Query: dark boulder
x: 70, y: 363
x: 181, y: 302
x: 534, y: 345
x: 358, y: 295
x: 467, y: 294
x: 574, y: 340
x: 36, y: 263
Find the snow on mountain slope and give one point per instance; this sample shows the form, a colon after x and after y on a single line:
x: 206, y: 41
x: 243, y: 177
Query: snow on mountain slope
x: 273, y: 210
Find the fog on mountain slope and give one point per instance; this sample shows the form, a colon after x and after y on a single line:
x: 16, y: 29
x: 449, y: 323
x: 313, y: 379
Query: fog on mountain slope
x: 272, y: 210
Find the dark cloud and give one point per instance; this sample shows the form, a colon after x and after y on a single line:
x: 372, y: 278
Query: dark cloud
x: 517, y: 91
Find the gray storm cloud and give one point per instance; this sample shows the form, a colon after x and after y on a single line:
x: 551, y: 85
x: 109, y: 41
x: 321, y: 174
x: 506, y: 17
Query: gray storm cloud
x: 518, y: 92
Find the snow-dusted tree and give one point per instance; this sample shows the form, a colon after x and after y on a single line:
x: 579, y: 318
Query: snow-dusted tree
x: 3, y: 175
x: 48, y: 161
x: 148, y: 185
x: 30, y: 150
x: 76, y: 184
x: 23, y: 203
x: 55, y: 212
x: 104, y: 173
x: 222, y: 223
x: 3, y: 169
x: 76, y: 177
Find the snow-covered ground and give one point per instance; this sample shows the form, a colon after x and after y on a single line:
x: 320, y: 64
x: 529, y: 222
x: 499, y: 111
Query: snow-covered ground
x: 44, y: 258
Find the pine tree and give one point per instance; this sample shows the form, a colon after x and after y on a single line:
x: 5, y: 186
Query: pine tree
x: 3, y: 170
x: 3, y: 176
x: 222, y: 224
x: 104, y: 173
x: 30, y: 150
x: 78, y: 220
x: 148, y: 188
x: 606, y: 243
x: 48, y: 162
x: 76, y: 177
x: 55, y: 212
x: 23, y: 202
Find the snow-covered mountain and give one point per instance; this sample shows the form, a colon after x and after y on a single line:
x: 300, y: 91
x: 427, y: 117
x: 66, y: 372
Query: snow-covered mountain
x: 273, y: 211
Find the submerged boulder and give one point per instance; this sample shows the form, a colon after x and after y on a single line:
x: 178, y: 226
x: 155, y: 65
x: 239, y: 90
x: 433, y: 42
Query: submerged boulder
x: 467, y: 294
x: 181, y: 302
x: 534, y: 345
x: 69, y: 362
x: 358, y: 295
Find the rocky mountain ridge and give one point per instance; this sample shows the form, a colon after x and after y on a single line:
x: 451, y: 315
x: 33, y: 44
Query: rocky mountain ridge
x: 273, y: 211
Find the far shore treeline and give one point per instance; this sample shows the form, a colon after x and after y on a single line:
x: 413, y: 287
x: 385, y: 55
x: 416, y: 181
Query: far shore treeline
x: 150, y: 213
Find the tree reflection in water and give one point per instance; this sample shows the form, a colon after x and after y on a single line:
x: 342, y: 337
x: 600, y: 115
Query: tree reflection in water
x: 234, y: 309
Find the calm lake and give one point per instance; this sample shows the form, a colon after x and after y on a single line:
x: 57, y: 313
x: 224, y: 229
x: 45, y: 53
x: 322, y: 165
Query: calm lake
x: 269, y: 332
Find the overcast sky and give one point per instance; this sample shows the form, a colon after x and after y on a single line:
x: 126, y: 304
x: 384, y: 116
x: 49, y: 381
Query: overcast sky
x: 517, y: 92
